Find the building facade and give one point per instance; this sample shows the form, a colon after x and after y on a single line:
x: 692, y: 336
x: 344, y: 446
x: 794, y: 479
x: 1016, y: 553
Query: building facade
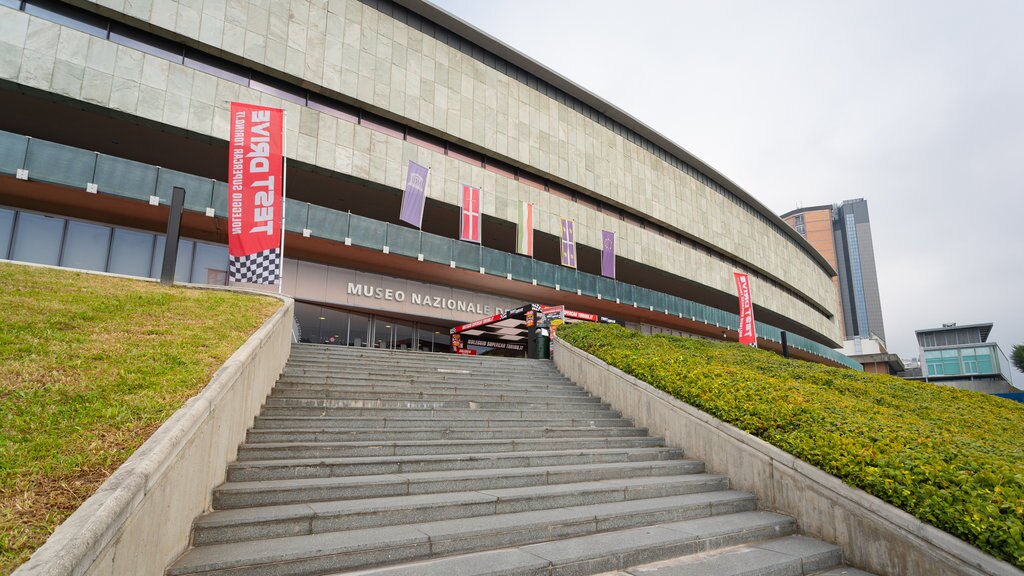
x: 842, y: 234
x: 115, y: 102
x: 962, y: 357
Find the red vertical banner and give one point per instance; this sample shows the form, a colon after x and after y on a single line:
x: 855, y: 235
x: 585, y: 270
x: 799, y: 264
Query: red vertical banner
x: 748, y: 335
x: 469, y: 229
x: 255, y: 193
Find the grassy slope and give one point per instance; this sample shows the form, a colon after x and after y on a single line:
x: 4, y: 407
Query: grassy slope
x: 90, y: 366
x: 952, y: 458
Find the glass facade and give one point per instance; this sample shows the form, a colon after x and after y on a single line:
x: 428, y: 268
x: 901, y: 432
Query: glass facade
x: 962, y: 361
x: 44, y: 239
x: 328, y: 325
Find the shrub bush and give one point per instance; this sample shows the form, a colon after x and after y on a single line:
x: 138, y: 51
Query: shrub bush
x: 952, y: 458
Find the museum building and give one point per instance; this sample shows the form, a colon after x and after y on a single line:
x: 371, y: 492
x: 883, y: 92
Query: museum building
x: 110, y: 104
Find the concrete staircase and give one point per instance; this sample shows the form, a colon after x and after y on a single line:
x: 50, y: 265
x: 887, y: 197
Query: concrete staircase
x: 407, y: 463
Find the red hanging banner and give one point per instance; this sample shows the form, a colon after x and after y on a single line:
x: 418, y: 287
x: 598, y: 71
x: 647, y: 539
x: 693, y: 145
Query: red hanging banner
x: 255, y: 193
x: 748, y: 335
x: 469, y: 230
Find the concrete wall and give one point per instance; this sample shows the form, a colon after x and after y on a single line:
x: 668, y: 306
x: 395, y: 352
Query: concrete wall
x: 140, y: 519
x: 874, y: 536
x: 348, y: 49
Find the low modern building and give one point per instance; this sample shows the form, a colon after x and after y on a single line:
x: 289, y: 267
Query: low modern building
x: 962, y: 357
x: 872, y: 355
x: 842, y: 234
x: 109, y: 104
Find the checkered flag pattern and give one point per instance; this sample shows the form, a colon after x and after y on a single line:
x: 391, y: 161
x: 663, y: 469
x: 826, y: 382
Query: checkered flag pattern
x: 259, y: 268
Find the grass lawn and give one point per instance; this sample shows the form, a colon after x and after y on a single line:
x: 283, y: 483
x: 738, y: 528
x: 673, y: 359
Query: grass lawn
x: 952, y: 458
x: 90, y: 366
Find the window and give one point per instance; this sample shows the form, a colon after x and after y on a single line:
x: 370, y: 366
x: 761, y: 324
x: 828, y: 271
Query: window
x: 131, y: 253
x: 146, y: 42
x: 183, y: 264
x: 69, y: 16
x: 336, y: 109
x: 216, y: 67
x: 6, y: 231
x: 425, y: 140
x: 470, y: 157
x: 275, y: 87
x: 86, y: 246
x: 37, y: 239
x: 382, y: 125
x: 210, y: 264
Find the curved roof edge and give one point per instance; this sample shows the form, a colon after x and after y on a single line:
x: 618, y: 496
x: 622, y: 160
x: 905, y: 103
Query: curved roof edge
x: 439, y: 16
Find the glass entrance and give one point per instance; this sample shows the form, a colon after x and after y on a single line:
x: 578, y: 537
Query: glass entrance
x: 327, y: 325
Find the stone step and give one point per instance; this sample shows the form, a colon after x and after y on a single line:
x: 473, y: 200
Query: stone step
x: 790, y: 556
x: 322, y: 553
x: 338, y: 422
x: 337, y: 467
x: 406, y: 448
x: 273, y: 492
x: 404, y: 392
x: 494, y: 383
x: 609, y: 552
x: 312, y: 407
x: 365, y: 400
x: 283, y: 435
x: 305, y: 351
x: 314, y: 518
x: 407, y: 390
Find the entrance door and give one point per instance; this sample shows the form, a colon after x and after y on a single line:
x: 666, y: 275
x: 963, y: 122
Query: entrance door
x: 392, y: 334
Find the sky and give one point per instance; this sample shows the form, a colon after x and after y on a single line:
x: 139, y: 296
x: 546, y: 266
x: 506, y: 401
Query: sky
x: 915, y: 106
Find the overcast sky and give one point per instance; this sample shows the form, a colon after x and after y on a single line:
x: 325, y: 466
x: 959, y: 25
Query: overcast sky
x: 916, y: 106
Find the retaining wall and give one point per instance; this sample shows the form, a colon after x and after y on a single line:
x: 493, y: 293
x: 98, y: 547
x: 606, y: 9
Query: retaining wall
x: 874, y: 535
x: 140, y: 519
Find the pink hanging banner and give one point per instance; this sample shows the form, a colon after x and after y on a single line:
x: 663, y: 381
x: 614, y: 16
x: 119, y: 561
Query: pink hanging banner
x: 748, y: 334
x: 469, y: 227
x: 256, y: 193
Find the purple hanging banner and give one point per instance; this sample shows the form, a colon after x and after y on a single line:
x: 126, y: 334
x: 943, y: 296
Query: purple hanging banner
x: 415, y: 195
x: 608, y: 254
x: 568, y: 250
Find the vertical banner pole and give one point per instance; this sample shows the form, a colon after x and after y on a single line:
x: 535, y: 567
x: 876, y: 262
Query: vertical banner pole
x: 284, y: 195
x: 171, y: 239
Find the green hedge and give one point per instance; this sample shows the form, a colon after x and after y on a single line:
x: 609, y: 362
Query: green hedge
x: 952, y: 458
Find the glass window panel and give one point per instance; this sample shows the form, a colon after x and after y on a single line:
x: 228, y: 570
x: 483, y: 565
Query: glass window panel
x: 12, y: 152
x: 358, y: 330
x: 37, y: 238
x: 131, y: 253
x: 6, y: 232
x: 276, y: 87
x: 436, y: 248
x: 588, y: 284
x: 931, y: 354
x: 146, y: 42
x: 69, y: 16
x: 49, y: 162
x: 567, y: 279
x: 210, y: 264
x: 546, y: 274
x: 295, y: 215
x: 86, y: 246
x: 336, y: 109
x: 198, y: 191
x: 128, y: 178
x: 442, y: 340
x: 216, y: 67
x: 404, y: 241
x: 466, y: 255
x: 220, y: 199
x: 384, y: 126
x: 308, y: 317
x: 521, y: 268
x: 494, y: 262
x: 334, y: 326
x: 383, y: 333
x: 425, y: 337
x: 183, y: 263
x: 465, y: 155
x: 16, y: 4
x: 366, y: 232
x: 403, y: 336
x: 425, y: 141
x: 327, y: 223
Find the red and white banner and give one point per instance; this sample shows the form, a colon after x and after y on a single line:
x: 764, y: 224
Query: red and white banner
x: 255, y: 193
x: 748, y: 335
x: 469, y: 229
